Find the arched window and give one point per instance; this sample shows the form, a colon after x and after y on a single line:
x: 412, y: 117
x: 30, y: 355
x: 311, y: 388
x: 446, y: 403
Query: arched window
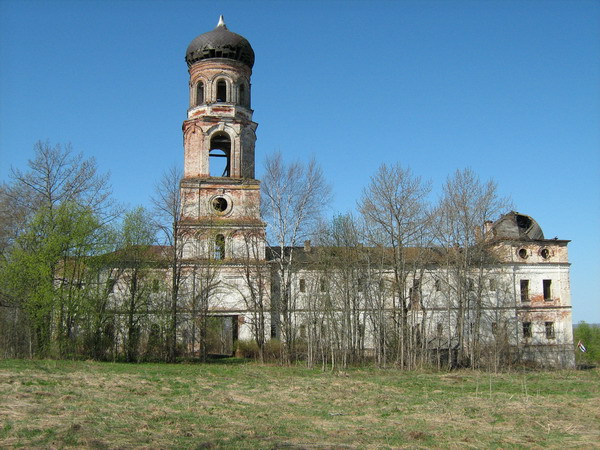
x: 199, y: 93
x: 221, y: 91
x: 243, y: 100
x: 219, y: 155
x: 220, y: 246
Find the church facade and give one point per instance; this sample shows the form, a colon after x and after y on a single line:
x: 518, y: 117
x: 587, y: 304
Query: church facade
x: 523, y: 297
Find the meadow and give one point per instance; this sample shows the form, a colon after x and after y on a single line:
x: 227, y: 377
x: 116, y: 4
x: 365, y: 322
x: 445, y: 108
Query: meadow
x: 238, y: 404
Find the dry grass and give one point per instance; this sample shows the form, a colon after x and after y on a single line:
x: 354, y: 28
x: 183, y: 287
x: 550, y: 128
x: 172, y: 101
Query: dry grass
x: 241, y: 405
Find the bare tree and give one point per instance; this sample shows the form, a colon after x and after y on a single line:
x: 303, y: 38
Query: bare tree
x: 255, y: 289
x: 394, y: 205
x: 292, y: 195
x: 465, y: 208
x: 168, y: 208
x: 57, y: 175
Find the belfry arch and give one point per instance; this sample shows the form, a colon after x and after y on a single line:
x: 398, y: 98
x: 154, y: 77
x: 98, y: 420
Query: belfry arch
x: 219, y: 155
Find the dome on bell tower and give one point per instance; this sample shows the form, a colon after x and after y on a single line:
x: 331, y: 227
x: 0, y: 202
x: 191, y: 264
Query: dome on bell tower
x: 220, y: 43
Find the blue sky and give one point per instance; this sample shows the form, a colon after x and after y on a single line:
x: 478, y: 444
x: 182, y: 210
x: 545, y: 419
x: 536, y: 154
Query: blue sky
x: 508, y: 88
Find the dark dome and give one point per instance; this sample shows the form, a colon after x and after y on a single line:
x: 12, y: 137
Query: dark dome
x: 220, y: 43
x: 517, y: 226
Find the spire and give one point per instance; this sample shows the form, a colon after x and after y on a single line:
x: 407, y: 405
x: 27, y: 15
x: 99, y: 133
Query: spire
x: 221, y: 23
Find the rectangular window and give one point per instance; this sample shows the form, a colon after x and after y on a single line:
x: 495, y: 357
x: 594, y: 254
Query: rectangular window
x: 524, y: 290
x: 323, y: 285
x: 155, y: 286
x: 302, y: 285
x: 438, y: 285
x: 492, y: 284
x: 110, y: 285
x: 494, y: 328
x: 547, y: 290
x: 549, y: 330
x: 440, y: 328
x: 470, y: 284
x: 526, y: 329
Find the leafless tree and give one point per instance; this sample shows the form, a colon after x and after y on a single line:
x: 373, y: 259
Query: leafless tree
x: 465, y: 208
x: 394, y: 205
x: 57, y: 175
x: 168, y: 208
x: 291, y: 198
x: 255, y: 289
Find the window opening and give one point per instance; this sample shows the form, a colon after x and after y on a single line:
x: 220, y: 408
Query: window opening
x: 219, y: 156
x: 221, y: 91
x: 220, y: 246
x: 524, y: 290
x: 220, y: 204
x: 547, y: 290
x: 155, y: 286
x: 323, y: 285
x: 440, y: 329
x: 302, y: 331
x: 470, y: 285
x: 526, y: 329
x: 302, y: 285
x: 492, y: 284
x: 199, y: 93
x: 438, y: 285
x: 549, y: 330
x: 243, y: 100
x: 545, y: 253
x: 494, y: 328
x: 523, y: 253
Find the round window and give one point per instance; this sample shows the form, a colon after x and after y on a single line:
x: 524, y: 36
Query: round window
x: 219, y: 204
x: 545, y: 253
x: 523, y: 253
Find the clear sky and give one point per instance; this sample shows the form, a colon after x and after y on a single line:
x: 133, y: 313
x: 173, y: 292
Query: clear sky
x: 508, y: 88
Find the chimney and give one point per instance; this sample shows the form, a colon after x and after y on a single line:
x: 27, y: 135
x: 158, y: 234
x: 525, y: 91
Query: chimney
x: 488, y: 229
x: 307, y: 246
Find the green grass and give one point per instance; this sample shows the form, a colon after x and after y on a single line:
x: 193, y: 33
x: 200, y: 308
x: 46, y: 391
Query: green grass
x: 241, y: 405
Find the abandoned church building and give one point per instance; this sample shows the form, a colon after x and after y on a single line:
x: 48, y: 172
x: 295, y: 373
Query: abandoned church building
x: 517, y: 303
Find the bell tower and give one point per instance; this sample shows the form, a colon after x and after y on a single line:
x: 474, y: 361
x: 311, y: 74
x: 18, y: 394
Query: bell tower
x: 221, y: 197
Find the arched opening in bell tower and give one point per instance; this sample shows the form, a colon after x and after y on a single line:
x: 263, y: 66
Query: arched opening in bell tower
x: 219, y: 161
x: 199, y: 93
x: 244, y: 98
x: 221, y: 91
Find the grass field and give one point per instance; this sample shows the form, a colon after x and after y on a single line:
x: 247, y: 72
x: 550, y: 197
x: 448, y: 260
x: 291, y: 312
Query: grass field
x: 241, y: 405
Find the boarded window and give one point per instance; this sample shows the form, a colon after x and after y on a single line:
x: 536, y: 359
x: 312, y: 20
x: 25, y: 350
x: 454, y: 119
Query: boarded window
x: 244, y: 97
x: 547, y: 290
x: 199, y: 93
x: 526, y: 329
x: 524, y: 290
x: 549, y: 330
